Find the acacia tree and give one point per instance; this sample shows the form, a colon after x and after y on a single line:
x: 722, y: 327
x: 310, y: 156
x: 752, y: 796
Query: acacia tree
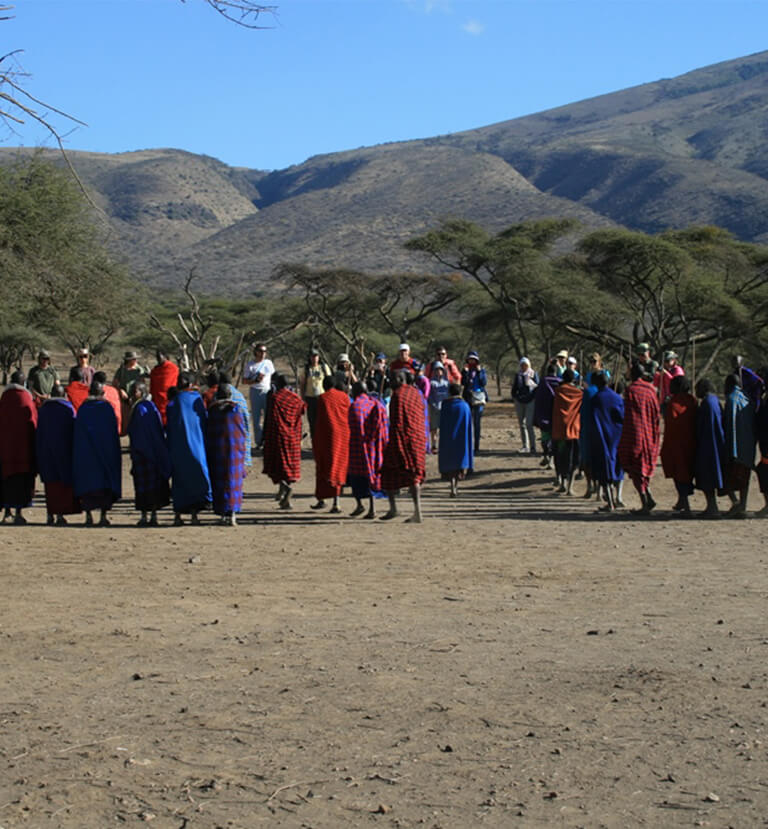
x: 510, y: 267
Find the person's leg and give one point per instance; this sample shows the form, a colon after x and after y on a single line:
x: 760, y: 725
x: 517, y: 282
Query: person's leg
x: 19, y: 520
x: 51, y: 519
x: 529, y: 407
x: 477, y: 415
x: 392, y: 512
x: 520, y: 411
x: 359, y: 509
x: 153, y: 518
x: 335, y: 506
x: 178, y: 521
x: 88, y: 518
x: 285, y: 498
x: 103, y: 520
x: 683, y: 493
x: 142, y: 522
x: 61, y: 521
x: 712, y: 510
x: 371, y: 507
x: 416, y: 496
x: 195, y: 519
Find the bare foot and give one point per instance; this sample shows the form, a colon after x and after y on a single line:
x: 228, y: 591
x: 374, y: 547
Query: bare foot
x: 414, y: 519
x: 388, y: 516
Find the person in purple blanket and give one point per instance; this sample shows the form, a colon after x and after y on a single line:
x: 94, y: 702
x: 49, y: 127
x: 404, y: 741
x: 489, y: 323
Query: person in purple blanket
x: 542, y: 412
x: 226, y: 446
x: 711, y: 457
x: 55, y: 436
x: 150, y: 461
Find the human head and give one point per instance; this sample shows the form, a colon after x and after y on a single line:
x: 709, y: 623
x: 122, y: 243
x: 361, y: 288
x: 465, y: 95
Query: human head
x: 568, y: 376
x: 473, y: 358
x: 130, y: 358
x: 438, y: 368
x: 398, y: 379
x: 636, y: 371
x: 418, y: 366
x: 571, y: 362
x: 525, y: 364
x: 76, y: 374
x: 599, y: 379
x: 679, y: 384
x: 160, y: 356
x: 732, y: 382
x: 441, y: 353
x: 97, y: 389
x: 596, y: 361
x: 703, y: 388
x: 224, y: 392
x: 212, y: 379
x: 184, y: 381
x: 343, y: 360
x: 313, y: 358
x: 225, y: 377
x: 670, y: 358
x: 381, y: 358
x: 140, y: 391
x: 43, y: 358
x: 643, y: 351
x: 101, y: 377
x: 83, y: 355
x: 358, y: 388
x: 260, y: 350
x: 327, y: 382
x: 18, y: 378
x: 404, y: 351
x: 280, y: 381
x: 454, y: 390
x: 57, y: 390
x: 561, y: 356
x: 340, y: 381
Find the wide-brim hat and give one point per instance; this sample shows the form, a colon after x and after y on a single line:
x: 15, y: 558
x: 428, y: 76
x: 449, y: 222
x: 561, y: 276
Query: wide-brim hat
x: 43, y: 355
x: 670, y: 355
x: 130, y: 355
x: 572, y: 360
x: 343, y: 358
x: 562, y: 353
x: 641, y: 348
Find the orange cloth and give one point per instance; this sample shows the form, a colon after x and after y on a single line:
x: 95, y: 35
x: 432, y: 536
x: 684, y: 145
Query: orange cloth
x: 112, y: 396
x: 77, y: 392
x: 161, y: 378
x: 330, y: 443
x: 566, y: 412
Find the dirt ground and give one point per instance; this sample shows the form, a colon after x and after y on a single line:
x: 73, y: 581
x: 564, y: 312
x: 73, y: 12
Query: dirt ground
x: 517, y: 660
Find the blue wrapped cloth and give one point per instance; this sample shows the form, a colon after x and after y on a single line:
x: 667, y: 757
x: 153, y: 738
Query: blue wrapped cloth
x: 585, y: 431
x: 606, y: 423
x: 710, y: 445
x: 186, y: 427
x: 55, y: 439
x: 96, y: 447
x: 455, y: 449
x: 739, y: 428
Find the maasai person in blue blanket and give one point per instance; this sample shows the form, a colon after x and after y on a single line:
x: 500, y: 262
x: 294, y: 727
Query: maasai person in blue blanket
x: 739, y: 429
x: 185, y: 428
x: 606, y: 419
x: 710, y: 447
x: 97, y: 474
x: 225, y: 379
x: 226, y: 441
x: 455, y: 456
x: 150, y: 461
x: 55, y: 438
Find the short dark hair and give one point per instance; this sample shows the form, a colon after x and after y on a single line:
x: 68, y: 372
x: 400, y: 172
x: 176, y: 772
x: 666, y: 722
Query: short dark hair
x: 569, y: 375
x: 679, y: 384
x: 101, y: 376
x: 599, y: 379
x: 18, y: 378
x: 76, y: 374
x: 703, y: 388
x: 184, y: 381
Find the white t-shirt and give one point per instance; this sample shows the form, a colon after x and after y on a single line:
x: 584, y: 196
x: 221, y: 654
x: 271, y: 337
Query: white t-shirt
x: 265, y: 368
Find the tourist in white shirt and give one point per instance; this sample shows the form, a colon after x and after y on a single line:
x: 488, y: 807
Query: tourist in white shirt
x: 258, y: 375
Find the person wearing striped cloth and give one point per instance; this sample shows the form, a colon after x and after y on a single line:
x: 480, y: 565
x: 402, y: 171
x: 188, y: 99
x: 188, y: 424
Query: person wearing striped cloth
x: 368, y: 435
x: 639, y: 443
x: 282, y: 439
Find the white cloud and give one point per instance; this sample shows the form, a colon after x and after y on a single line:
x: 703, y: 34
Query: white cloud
x: 429, y: 6
x: 473, y: 27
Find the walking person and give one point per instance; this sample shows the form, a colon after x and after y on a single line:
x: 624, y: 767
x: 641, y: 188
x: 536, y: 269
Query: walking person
x: 330, y: 444
x: 368, y: 436
x: 474, y: 381
x: 607, y: 417
x: 258, y: 377
x: 456, y: 457
x: 524, y: 395
x: 566, y: 425
x: 225, y: 447
x: 438, y: 391
x: 282, y: 440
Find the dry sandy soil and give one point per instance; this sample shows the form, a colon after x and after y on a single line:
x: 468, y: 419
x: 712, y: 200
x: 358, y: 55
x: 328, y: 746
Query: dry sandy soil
x: 517, y: 660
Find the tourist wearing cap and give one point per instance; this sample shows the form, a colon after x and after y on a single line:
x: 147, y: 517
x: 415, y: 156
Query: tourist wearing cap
x: 83, y: 356
x: 345, y: 367
x: 573, y: 364
x: 129, y: 373
x: 664, y: 376
x: 644, y: 360
x: 561, y: 361
x: 473, y: 381
x: 403, y: 361
x: 258, y: 376
x: 377, y: 379
x: 315, y: 371
x: 42, y: 378
x: 438, y: 392
x: 524, y: 393
x: 452, y: 372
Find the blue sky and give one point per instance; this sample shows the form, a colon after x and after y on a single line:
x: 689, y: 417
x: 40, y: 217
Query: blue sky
x: 338, y: 74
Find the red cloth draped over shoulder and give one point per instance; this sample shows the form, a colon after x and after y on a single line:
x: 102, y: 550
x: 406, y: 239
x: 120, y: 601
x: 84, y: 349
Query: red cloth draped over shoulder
x: 18, y: 421
x: 161, y: 378
x: 404, y: 456
x: 330, y: 443
x: 77, y: 393
x: 566, y: 412
x: 678, y: 453
x: 282, y: 439
x: 639, y: 442
x: 112, y: 396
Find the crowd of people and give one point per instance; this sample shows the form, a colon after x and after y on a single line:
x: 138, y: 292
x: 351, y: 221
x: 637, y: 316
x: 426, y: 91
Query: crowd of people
x: 600, y: 428
x: 190, y: 444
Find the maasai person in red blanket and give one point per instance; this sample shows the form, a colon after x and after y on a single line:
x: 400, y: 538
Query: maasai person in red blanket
x: 226, y: 444
x: 368, y: 435
x: 678, y: 452
x: 282, y: 439
x: 18, y: 422
x: 566, y: 428
x: 162, y: 377
x: 330, y: 443
x: 78, y: 389
x: 404, y: 457
x: 55, y: 442
x: 639, y: 443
